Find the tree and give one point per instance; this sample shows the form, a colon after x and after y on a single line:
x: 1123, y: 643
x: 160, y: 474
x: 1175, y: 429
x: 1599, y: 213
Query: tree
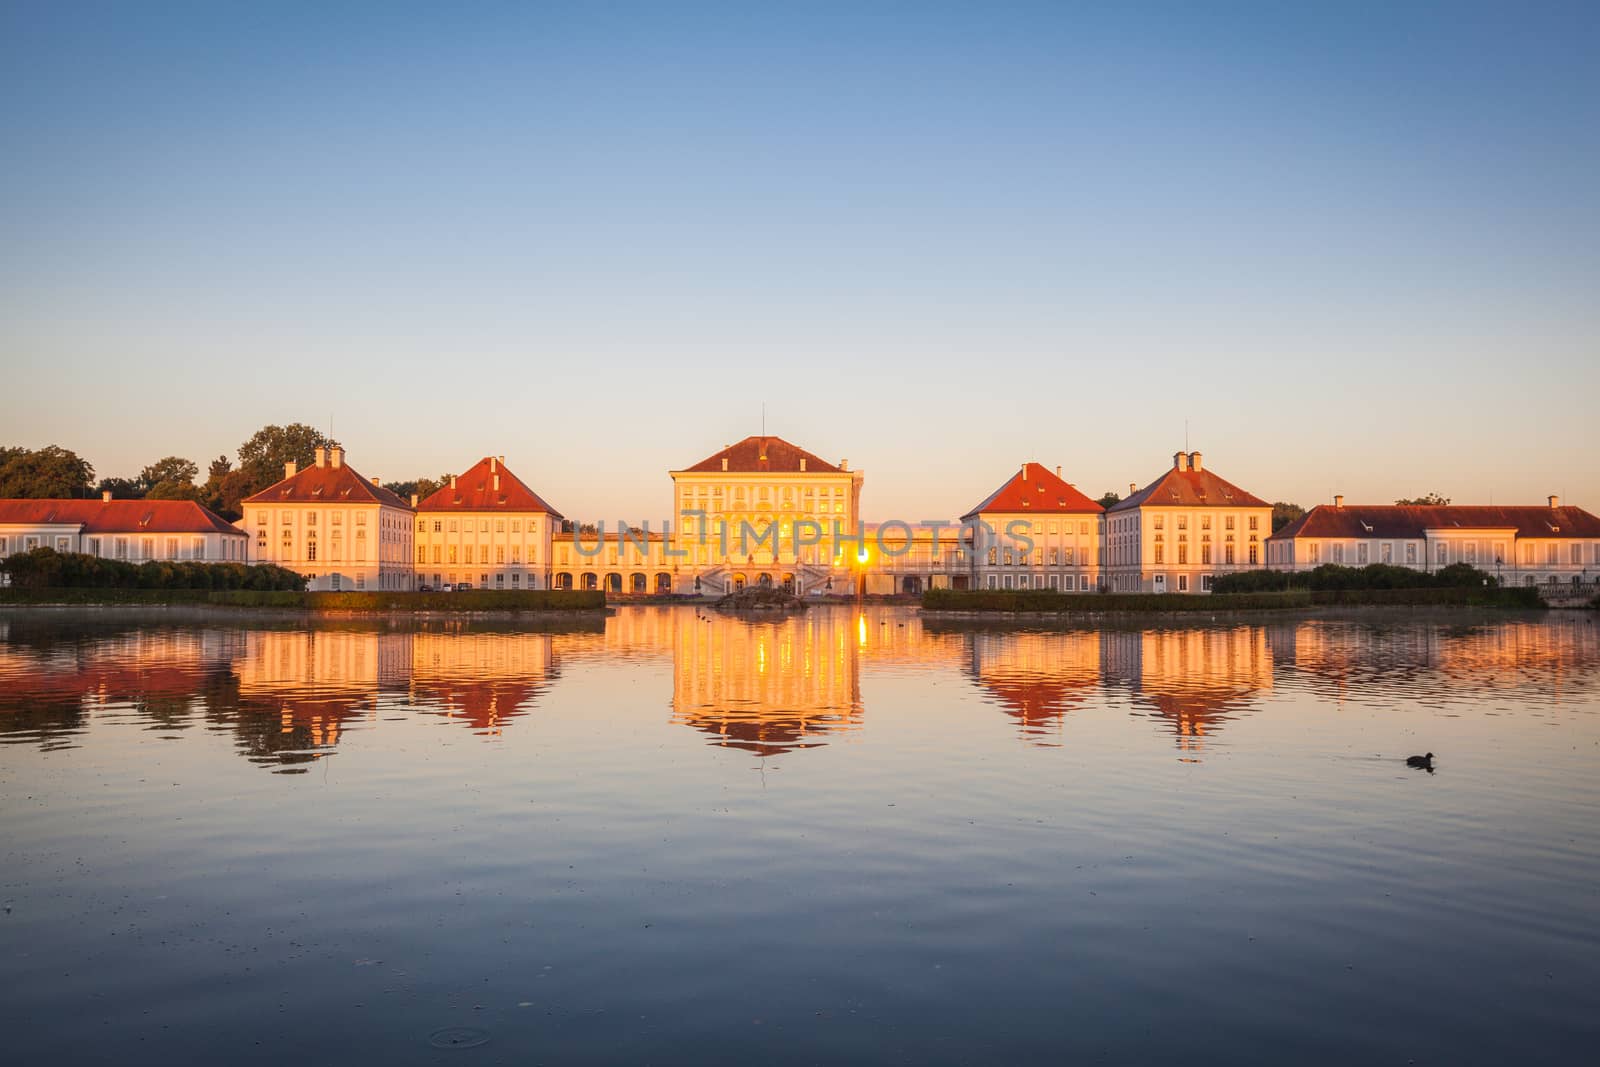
x: 1283, y: 513
x: 270, y: 447
x: 171, y: 469
x: 51, y: 471
x: 422, y: 487
x: 1109, y: 498
x: 219, y: 468
x: 121, y: 488
x: 261, y: 462
x: 1432, y: 500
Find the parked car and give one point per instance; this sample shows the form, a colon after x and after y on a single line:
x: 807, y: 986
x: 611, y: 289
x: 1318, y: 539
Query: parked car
x: 446, y: 587
x: 463, y: 586
x: 424, y: 588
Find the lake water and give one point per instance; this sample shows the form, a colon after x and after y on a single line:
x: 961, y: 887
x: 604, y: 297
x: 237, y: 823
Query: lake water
x: 678, y: 838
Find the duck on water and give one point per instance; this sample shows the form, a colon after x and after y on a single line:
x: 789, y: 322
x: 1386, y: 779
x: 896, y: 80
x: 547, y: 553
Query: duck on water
x: 1423, y: 762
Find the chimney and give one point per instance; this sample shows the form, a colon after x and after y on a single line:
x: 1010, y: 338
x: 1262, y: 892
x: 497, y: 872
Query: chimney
x: 105, y: 496
x: 375, y: 480
x: 1194, y: 461
x: 724, y: 462
x: 844, y: 464
x: 289, y: 469
x: 1178, y: 459
x: 1132, y: 489
x: 802, y: 464
x: 322, y: 456
x: 452, y: 481
x: 413, y: 500
x: 1024, y: 470
x: 1555, y: 501
x: 1058, y: 470
x: 1338, y: 500
x: 336, y: 456
x: 492, y: 467
x: 497, y: 483
x: 502, y: 461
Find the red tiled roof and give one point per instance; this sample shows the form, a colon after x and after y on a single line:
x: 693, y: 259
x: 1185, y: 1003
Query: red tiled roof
x: 475, y: 491
x: 763, y: 454
x: 1035, y: 488
x: 327, y: 484
x: 1409, y: 521
x: 1190, y: 488
x: 119, y: 516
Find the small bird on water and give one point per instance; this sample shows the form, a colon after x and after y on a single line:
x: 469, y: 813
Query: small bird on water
x: 1425, y: 762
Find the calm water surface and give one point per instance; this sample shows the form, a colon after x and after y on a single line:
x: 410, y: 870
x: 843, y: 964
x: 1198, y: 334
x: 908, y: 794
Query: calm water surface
x: 874, y: 838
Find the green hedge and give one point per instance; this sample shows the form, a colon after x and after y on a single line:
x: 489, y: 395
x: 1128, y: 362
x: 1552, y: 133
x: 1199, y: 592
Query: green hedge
x: 79, y: 595
x: 45, y: 568
x: 1372, y: 576
x: 470, y: 600
x: 1032, y: 600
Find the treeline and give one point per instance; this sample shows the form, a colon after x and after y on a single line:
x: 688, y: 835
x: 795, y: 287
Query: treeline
x: 1044, y: 602
x: 1372, y: 576
x: 56, y: 472
x: 45, y: 568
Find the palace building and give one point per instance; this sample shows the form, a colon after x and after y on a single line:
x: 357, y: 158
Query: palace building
x: 1037, y: 532
x: 136, y: 531
x: 1524, y: 545
x: 487, y: 529
x: 1182, y: 530
x: 765, y: 488
x: 332, y: 525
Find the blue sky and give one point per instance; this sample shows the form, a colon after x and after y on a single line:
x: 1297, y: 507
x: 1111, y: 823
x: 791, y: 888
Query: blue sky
x: 1355, y: 246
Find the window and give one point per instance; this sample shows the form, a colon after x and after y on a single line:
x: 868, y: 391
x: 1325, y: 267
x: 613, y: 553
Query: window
x: 1227, y: 554
x: 1577, y: 553
x: 1205, y: 522
x: 1338, y: 553
x: 311, y: 547
x: 1361, y: 552
x: 1442, y: 553
x: 422, y: 526
x: 288, y: 518
x: 1183, y: 583
x: 1254, y: 519
x: 436, y: 556
x: 311, y: 518
x: 499, y: 554
x: 361, y: 518
x: 1411, y: 553
x: 1386, y: 551
x: 1314, y: 552
x: 1183, y: 522
x: 1205, y: 554
x: 437, y: 524
x: 1205, y: 583
x: 1159, y: 555
x: 199, y: 549
x: 1227, y: 523
x: 1183, y: 554
x: 1083, y: 528
x: 1160, y: 522
x: 1055, y: 555
x: 1255, y: 554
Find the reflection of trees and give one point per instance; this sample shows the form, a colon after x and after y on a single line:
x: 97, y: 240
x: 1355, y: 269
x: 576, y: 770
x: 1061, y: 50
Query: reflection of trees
x: 1435, y: 658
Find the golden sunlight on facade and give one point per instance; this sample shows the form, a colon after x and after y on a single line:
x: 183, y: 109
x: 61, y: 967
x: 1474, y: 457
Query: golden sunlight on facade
x: 485, y: 529
x: 1039, y: 532
x: 330, y: 524
x: 1177, y: 534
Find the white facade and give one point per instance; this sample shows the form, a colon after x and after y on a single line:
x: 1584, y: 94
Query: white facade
x: 136, y: 531
x: 1181, y: 532
x: 333, y: 526
x: 486, y: 528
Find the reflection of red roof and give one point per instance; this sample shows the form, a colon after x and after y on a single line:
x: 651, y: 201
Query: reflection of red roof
x: 763, y: 454
x: 1190, y: 488
x: 118, y: 516
x: 327, y: 484
x: 1388, y: 520
x: 1035, y: 488
x: 482, y: 706
x: 477, y: 490
x: 1035, y: 704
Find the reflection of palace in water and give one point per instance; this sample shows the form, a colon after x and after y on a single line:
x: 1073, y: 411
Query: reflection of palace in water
x: 766, y: 687
x: 1037, y: 678
x: 1194, y: 678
